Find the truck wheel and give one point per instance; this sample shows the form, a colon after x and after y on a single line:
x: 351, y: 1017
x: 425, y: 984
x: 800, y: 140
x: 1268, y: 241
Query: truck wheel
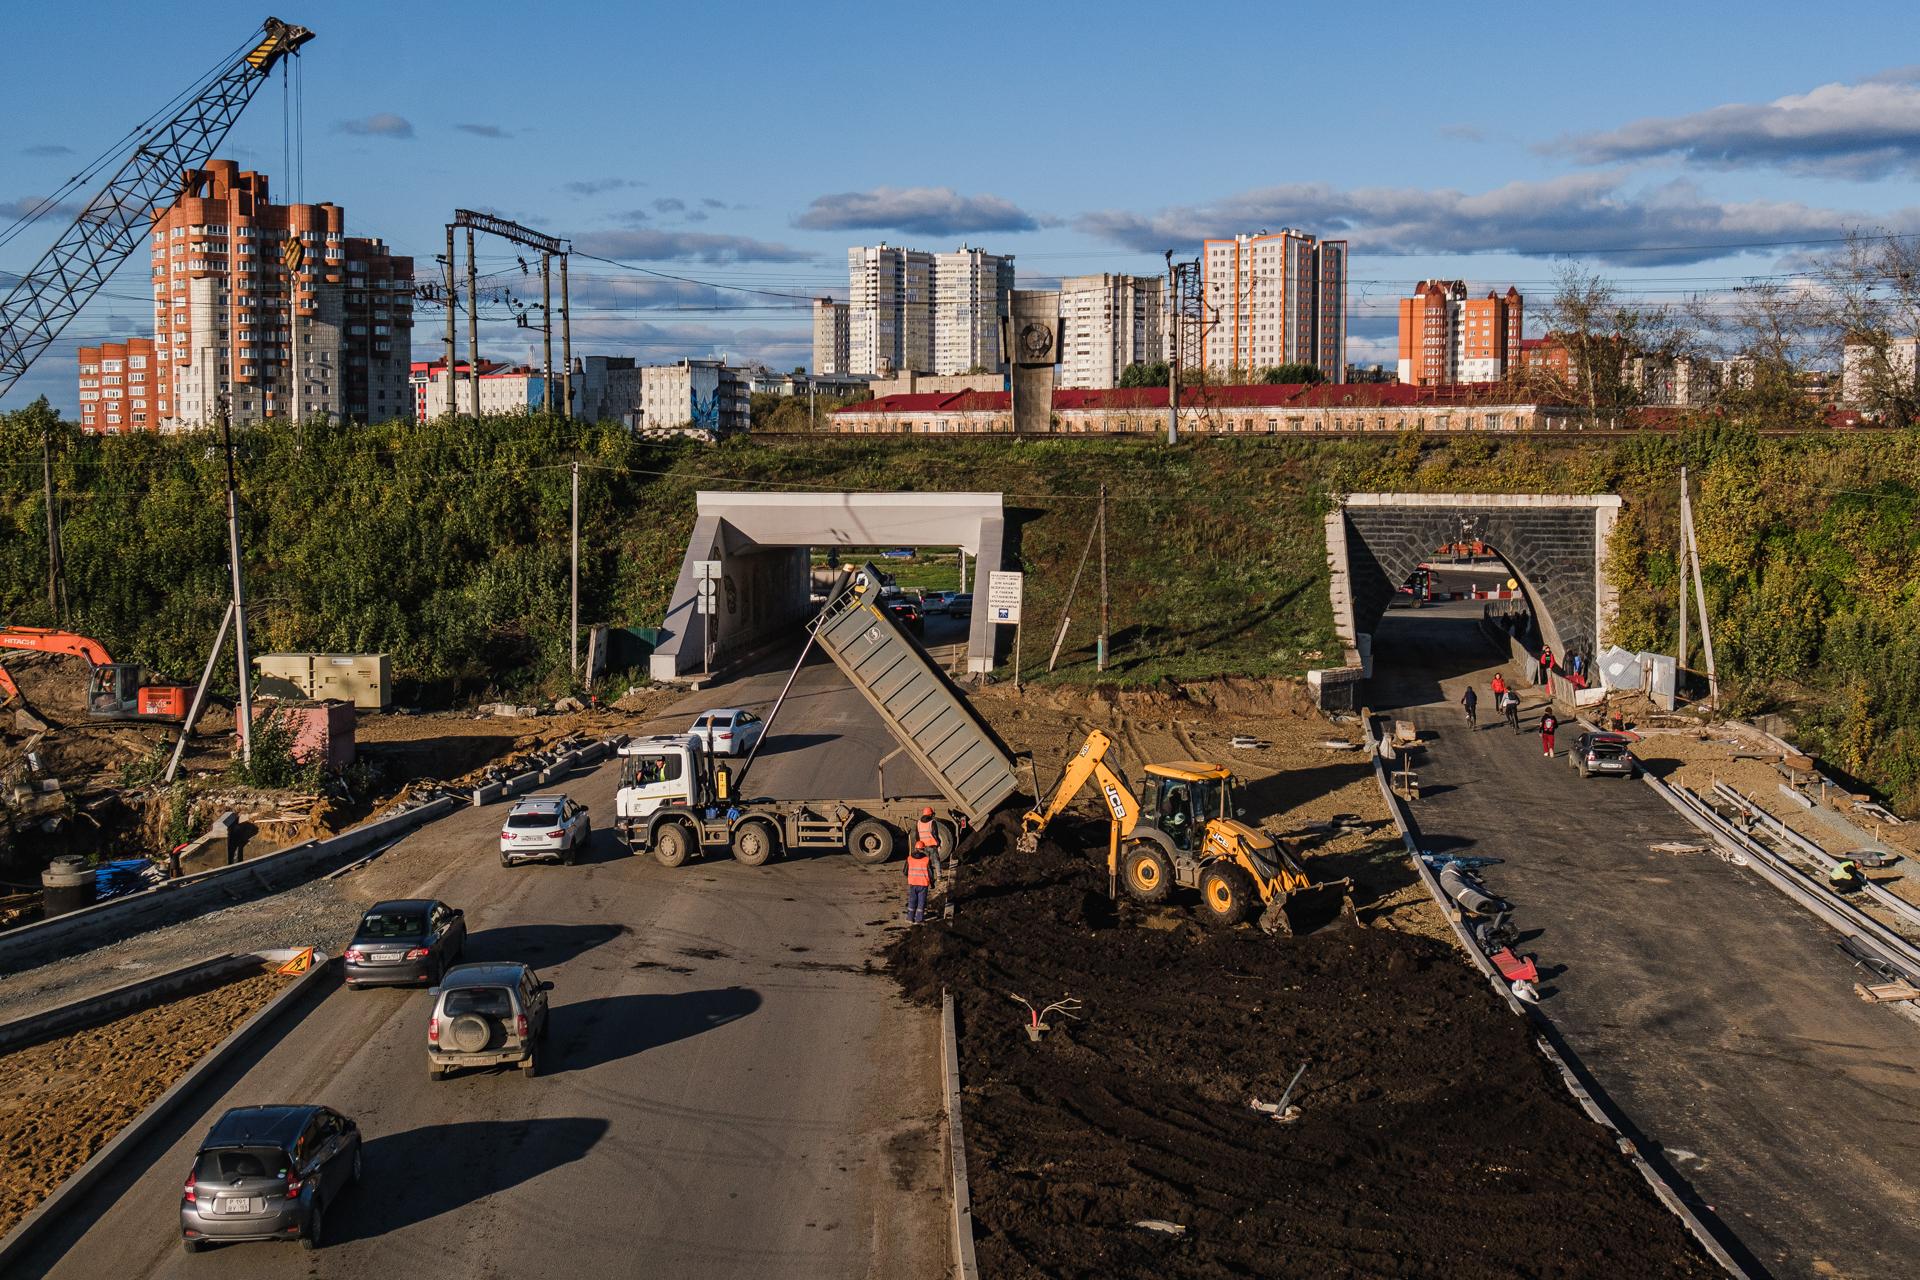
x: 753, y: 844
x: 948, y: 838
x: 672, y: 846
x: 1226, y: 892
x: 870, y: 842
x: 1147, y: 873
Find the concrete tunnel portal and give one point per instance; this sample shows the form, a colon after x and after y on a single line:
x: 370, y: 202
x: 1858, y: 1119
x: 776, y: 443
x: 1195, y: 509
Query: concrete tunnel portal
x: 764, y: 542
x: 1554, y: 544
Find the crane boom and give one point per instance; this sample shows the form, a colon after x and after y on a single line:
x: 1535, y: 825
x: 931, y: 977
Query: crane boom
x: 67, y: 276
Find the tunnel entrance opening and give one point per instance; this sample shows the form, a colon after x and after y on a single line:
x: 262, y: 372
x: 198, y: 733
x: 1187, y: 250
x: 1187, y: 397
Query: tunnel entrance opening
x: 1453, y: 618
x: 1552, y: 546
x: 760, y: 552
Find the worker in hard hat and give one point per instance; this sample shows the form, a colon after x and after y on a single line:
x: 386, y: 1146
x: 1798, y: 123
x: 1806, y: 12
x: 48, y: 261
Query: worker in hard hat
x: 923, y: 863
x: 1845, y: 876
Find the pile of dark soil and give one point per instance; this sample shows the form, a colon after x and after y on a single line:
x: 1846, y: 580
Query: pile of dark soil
x: 1434, y: 1139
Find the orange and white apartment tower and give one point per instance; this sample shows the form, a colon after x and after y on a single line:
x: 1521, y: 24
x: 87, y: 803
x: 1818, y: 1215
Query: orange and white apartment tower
x: 240, y: 316
x: 118, y: 387
x: 1274, y: 299
x: 1447, y: 337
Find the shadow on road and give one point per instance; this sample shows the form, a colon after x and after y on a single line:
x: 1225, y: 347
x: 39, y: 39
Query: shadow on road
x: 540, y: 945
x: 782, y: 743
x: 593, y: 1032
x: 421, y: 1173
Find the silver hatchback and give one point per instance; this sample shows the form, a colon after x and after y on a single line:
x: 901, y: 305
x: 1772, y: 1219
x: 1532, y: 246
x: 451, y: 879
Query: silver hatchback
x: 268, y: 1173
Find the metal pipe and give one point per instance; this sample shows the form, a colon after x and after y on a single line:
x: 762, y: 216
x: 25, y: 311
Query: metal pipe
x: 813, y: 633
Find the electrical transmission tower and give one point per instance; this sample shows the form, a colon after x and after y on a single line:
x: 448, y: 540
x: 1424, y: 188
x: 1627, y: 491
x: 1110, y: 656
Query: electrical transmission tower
x: 116, y: 219
x: 1186, y: 325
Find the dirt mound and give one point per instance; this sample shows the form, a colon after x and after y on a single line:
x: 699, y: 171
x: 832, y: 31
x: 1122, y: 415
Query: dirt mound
x: 1434, y: 1139
x: 1228, y: 695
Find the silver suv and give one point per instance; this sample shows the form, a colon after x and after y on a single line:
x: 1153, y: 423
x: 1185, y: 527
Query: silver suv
x: 485, y: 1015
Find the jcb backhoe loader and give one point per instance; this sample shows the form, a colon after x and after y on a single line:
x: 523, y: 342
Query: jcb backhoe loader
x: 1181, y: 828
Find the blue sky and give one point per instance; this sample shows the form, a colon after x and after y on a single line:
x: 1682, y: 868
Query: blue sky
x: 744, y: 149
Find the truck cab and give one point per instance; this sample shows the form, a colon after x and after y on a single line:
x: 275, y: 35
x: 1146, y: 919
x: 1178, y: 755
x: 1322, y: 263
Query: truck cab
x: 656, y: 771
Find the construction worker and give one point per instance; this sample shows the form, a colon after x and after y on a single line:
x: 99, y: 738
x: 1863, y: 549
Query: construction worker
x: 1845, y: 876
x: 1548, y: 723
x: 923, y: 864
x: 1470, y: 700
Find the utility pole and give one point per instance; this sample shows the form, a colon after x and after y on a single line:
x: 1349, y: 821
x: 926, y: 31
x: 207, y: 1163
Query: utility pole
x: 546, y: 319
x: 453, y: 336
x: 566, y: 343
x: 1699, y: 592
x: 473, y: 325
x: 1680, y: 659
x: 573, y: 632
x: 1066, y: 612
x: 53, y: 528
x: 239, y: 589
x: 1100, y: 653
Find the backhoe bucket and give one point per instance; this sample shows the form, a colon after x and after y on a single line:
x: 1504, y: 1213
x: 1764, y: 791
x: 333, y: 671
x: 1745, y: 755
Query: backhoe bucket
x: 1309, y: 910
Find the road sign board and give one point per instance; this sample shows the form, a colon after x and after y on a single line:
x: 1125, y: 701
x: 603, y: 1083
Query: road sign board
x: 1004, y: 587
x: 708, y: 569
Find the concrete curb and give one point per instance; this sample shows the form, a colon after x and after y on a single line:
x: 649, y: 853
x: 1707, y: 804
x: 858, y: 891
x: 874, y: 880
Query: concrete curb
x: 188, y: 896
x: 524, y: 782
x: 28, y: 1230
x: 65, y: 1018
x: 1579, y: 1081
x: 965, y: 1266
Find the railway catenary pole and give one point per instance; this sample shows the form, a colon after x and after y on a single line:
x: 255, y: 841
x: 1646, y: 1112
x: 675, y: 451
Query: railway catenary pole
x: 573, y: 631
x: 473, y: 325
x: 241, y: 655
x: 453, y: 333
x: 546, y: 325
x: 566, y: 342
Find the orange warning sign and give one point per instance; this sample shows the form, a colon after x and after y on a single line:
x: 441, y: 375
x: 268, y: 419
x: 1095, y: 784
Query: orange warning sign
x: 301, y: 962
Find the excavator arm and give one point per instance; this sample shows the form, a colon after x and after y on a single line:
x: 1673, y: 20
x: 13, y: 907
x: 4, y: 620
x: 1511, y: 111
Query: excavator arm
x: 48, y: 640
x: 1089, y: 763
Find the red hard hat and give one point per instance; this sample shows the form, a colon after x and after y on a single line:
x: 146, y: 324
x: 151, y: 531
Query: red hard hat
x: 927, y: 812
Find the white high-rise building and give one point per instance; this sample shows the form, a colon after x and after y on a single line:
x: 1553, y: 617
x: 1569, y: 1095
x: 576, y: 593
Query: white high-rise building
x: 1274, y: 299
x: 1107, y: 323
x: 972, y: 294
x: 889, y: 310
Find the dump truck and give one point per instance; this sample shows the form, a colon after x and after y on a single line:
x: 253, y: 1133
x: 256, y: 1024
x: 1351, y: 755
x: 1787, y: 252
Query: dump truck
x: 1182, y: 828
x: 677, y: 801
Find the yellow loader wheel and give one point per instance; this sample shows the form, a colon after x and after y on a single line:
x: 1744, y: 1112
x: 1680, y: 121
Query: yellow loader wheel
x: 1147, y: 873
x: 1227, y: 894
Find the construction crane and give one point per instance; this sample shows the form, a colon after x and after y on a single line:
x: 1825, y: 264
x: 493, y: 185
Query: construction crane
x: 115, y: 220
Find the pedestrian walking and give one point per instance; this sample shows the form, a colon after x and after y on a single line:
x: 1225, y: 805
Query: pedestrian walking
x: 1499, y: 687
x: 1546, y: 669
x: 1548, y: 723
x: 1470, y: 700
x: 923, y: 863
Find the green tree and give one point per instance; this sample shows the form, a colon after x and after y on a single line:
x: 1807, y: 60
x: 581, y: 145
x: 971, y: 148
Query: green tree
x: 1145, y: 375
x: 1298, y: 371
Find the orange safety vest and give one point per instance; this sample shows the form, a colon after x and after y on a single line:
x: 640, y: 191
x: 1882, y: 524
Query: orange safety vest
x: 919, y: 869
x: 926, y: 837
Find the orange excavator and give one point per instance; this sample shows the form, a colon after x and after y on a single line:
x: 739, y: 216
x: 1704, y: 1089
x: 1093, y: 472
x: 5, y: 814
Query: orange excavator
x: 115, y: 690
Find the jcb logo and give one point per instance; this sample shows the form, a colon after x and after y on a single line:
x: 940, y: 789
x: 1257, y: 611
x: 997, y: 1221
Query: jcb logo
x: 1115, y: 801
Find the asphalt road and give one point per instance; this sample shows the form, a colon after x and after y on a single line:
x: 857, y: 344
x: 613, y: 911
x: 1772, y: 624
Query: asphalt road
x: 730, y: 1091
x: 1718, y: 1015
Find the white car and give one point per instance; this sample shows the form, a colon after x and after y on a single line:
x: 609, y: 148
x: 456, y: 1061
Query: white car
x: 545, y: 829
x: 727, y: 731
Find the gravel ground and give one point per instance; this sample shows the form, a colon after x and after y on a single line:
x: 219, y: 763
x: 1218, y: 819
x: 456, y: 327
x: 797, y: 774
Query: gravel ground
x: 63, y: 1100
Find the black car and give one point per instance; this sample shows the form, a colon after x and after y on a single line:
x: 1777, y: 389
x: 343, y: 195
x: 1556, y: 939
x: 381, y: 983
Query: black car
x: 1603, y: 753
x: 907, y: 613
x: 268, y: 1173
x: 961, y: 605
x: 409, y: 940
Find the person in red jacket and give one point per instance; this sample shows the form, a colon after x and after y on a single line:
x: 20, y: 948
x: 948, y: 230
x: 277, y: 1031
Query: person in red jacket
x: 1548, y: 723
x: 923, y: 863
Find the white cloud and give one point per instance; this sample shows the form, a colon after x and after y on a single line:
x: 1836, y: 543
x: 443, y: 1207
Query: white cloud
x: 934, y: 211
x: 1590, y: 214
x: 1863, y: 130
x: 684, y: 246
x: 382, y: 124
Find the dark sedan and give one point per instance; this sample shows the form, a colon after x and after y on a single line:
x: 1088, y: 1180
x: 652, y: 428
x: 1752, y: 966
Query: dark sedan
x: 412, y: 940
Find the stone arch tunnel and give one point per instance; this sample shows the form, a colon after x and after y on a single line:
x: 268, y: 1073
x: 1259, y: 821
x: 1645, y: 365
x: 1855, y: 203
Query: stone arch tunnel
x: 1555, y: 544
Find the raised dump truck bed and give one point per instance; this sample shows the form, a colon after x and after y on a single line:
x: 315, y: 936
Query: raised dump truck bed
x: 958, y: 751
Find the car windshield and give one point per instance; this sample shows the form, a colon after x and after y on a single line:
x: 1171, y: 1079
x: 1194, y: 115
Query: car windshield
x: 491, y: 1002
x: 237, y: 1163
x: 720, y: 720
x: 534, y: 818
x: 393, y: 924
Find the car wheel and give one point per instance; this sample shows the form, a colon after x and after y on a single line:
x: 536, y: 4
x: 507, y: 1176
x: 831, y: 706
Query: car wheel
x: 357, y: 1170
x: 503, y: 861
x: 191, y: 1246
x: 316, y: 1224
x: 1584, y: 773
x: 436, y: 1074
x: 530, y: 1065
